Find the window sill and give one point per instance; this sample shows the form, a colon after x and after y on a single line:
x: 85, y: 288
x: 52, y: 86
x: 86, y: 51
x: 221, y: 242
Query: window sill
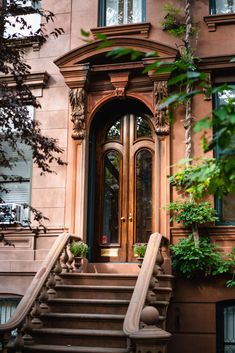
x: 141, y: 29
x: 30, y: 41
x: 213, y: 21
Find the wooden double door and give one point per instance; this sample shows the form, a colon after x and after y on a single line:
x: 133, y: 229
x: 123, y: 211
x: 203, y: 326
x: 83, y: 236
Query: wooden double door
x: 124, y: 202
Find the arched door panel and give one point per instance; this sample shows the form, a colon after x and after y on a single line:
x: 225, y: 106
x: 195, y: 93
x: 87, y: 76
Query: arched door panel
x: 124, y: 203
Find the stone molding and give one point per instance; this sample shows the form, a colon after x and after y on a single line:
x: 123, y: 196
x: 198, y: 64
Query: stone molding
x: 78, y: 99
x: 140, y: 29
x: 213, y: 21
x: 161, y: 124
x: 35, y: 79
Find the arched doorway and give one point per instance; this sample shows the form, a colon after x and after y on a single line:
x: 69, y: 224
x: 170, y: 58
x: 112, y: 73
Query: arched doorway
x: 122, y: 168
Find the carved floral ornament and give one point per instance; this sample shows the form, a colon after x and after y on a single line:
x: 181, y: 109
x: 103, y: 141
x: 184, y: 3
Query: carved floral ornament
x: 77, y: 98
x: 160, y: 116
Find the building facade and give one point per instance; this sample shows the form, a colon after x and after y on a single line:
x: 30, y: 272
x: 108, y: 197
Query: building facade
x: 119, y: 150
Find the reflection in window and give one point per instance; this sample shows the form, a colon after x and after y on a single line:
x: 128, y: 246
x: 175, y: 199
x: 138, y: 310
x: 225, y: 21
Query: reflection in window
x: 143, y: 196
x: 119, y: 12
x: 114, y: 131
x: 222, y: 6
x: 111, y: 198
x: 226, y: 205
x: 21, y: 24
x: 143, y: 128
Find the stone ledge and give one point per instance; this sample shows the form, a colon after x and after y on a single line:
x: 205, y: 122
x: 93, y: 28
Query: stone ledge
x: 141, y: 29
x: 213, y: 21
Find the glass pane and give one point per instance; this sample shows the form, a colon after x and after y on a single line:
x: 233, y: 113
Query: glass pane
x: 14, y: 28
x: 114, y: 131
x: 111, y: 198
x: 123, y: 12
x: 143, y: 128
x: 229, y: 329
x: 143, y: 196
x: 228, y: 208
x: 225, y: 6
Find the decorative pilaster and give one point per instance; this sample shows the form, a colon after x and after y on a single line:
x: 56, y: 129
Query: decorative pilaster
x: 160, y: 116
x: 77, y: 98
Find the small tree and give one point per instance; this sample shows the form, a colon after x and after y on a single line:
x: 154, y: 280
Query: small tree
x: 16, y: 127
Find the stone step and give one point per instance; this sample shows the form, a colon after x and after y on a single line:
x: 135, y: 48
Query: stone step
x: 99, y: 279
x: 80, y: 337
x: 92, y: 292
x: 40, y: 348
x: 83, y: 321
x: 163, y: 293
x: 95, y: 306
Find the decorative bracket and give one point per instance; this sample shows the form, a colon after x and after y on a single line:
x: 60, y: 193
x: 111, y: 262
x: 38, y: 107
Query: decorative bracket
x: 160, y: 116
x: 119, y: 81
x: 77, y: 98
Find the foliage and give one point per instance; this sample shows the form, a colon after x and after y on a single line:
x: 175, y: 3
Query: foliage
x: 173, y: 21
x: 191, y: 212
x: 192, y: 261
x: 206, y: 176
x: 140, y: 249
x: 17, y: 128
x: 230, y: 263
x: 79, y: 248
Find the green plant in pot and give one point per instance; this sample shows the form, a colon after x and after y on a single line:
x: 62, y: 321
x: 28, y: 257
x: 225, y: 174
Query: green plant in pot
x: 79, y: 249
x: 139, y: 252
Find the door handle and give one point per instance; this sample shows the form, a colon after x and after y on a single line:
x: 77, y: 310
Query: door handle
x: 123, y: 219
x: 130, y: 217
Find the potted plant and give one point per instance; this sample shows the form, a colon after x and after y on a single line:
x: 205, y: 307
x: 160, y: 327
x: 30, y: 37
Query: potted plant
x: 79, y: 250
x: 139, y: 251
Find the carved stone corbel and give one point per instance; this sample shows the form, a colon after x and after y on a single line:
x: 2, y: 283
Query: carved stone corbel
x: 119, y: 81
x: 77, y: 98
x: 160, y: 116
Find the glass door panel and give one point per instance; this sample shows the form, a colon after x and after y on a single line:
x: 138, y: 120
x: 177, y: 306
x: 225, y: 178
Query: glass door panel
x: 143, y: 196
x: 111, y: 197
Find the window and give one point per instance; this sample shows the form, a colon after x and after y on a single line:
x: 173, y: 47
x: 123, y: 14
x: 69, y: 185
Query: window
x: 118, y: 12
x: 222, y: 6
x: 7, y: 307
x: 17, y: 192
x: 226, y: 205
x: 226, y: 327
x: 22, y: 23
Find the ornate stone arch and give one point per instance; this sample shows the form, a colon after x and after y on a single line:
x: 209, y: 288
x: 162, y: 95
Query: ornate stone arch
x: 94, y: 79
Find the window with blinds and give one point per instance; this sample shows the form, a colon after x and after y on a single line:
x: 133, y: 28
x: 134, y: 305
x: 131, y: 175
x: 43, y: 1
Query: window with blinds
x: 17, y: 191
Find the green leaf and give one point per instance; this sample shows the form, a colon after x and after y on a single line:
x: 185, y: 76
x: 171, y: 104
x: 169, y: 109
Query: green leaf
x: 202, y: 124
x: 85, y: 33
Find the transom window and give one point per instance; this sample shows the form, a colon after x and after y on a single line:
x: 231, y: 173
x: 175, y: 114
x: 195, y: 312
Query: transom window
x: 118, y: 12
x: 222, y: 6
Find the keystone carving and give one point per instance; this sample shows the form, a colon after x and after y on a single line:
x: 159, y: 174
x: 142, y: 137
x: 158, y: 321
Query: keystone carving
x: 160, y: 116
x: 77, y: 98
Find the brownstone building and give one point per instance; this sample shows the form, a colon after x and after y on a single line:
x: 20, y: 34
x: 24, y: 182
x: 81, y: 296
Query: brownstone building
x: 113, y: 190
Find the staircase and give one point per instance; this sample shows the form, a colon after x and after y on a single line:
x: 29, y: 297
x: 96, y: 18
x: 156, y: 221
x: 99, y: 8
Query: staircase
x: 87, y: 313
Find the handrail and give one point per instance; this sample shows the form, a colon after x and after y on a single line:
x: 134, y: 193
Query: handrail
x: 37, y: 283
x: 132, y: 319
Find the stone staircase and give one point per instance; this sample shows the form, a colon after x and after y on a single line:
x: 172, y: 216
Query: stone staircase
x: 87, y: 312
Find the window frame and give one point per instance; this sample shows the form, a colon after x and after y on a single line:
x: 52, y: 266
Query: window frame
x: 217, y: 152
x: 102, y: 14
x: 28, y: 179
x: 220, y: 306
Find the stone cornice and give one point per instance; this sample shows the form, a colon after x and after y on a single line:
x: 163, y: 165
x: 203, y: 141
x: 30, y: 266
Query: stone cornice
x: 34, y: 80
x: 216, y: 62
x: 213, y: 21
x: 140, y: 29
